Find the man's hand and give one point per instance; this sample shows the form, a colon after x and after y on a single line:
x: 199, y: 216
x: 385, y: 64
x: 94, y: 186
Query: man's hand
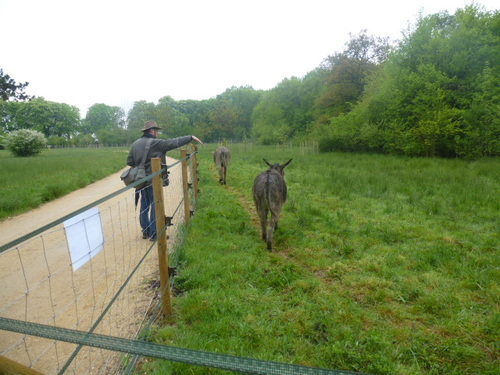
x: 197, y: 139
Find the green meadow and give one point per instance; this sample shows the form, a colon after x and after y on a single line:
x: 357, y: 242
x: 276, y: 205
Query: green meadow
x: 382, y: 264
x: 26, y: 183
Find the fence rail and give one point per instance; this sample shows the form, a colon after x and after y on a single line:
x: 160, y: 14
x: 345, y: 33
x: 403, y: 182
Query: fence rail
x: 167, y: 352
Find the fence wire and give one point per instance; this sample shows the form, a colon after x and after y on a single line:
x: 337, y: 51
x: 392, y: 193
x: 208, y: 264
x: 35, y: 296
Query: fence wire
x: 110, y: 294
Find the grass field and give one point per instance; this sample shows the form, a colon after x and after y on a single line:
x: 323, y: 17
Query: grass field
x: 382, y: 265
x: 26, y: 183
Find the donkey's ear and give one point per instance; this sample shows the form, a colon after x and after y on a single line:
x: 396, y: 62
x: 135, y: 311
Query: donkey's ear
x: 288, y: 162
x: 269, y: 164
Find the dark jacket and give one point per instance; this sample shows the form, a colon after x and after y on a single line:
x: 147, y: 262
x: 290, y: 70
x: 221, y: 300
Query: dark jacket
x: 157, y: 150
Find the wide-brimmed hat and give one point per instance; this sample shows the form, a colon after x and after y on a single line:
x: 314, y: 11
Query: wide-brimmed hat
x: 150, y: 125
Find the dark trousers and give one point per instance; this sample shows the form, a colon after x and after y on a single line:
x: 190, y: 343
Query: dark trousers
x: 147, y: 217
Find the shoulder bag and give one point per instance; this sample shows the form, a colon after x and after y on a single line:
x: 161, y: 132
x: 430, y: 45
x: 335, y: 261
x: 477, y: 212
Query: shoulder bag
x: 134, y: 174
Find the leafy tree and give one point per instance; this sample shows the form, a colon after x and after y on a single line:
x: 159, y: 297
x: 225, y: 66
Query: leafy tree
x: 8, y: 116
x: 286, y: 111
x: 436, y: 95
x: 439, y: 69
x: 295, y: 106
x: 173, y: 121
x: 25, y: 142
x: 49, y: 118
x: 101, y: 117
x: 287, y: 93
x: 481, y: 134
x: 269, y: 124
x: 346, y: 72
x: 10, y: 90
x: 194, y: 111
x: 165, y: 113
x: 243, y: 99
x: 310, y: 91
x: 141, y: 112
x: 222, y: 118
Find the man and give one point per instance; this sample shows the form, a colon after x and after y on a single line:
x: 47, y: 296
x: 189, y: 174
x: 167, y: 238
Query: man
x: 157, y: 149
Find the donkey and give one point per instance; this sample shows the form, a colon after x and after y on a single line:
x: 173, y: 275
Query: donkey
x: 269, y: 194
x: 222, y: 156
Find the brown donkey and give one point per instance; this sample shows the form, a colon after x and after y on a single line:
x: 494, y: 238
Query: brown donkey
x: 222, y: 156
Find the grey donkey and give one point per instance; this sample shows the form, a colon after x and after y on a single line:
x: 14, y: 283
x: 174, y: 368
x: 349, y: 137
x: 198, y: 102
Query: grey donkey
x: 222, y: 156
x: 269, y: 195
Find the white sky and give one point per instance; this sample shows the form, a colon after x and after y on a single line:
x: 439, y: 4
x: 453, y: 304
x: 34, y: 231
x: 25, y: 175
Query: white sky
x: 115, y: 52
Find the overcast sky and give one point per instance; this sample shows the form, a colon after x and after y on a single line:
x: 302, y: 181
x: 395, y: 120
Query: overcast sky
x: 115, y: 52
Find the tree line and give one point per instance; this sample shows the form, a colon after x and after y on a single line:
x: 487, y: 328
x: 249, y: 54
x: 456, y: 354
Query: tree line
x: 433, y: 93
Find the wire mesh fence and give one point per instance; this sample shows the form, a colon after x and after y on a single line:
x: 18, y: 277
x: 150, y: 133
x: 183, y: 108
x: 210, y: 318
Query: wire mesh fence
x: 111, y: 289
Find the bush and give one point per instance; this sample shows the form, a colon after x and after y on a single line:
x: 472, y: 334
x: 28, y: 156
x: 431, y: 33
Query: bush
x: 25, y: 142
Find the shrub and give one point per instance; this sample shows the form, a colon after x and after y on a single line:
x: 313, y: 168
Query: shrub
x: 25, y: 142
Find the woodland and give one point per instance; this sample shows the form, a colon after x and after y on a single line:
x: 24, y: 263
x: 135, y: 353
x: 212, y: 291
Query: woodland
x: 435, y: 92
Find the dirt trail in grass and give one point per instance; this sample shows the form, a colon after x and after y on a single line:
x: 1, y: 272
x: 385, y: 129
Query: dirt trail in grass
x: 39, y: 270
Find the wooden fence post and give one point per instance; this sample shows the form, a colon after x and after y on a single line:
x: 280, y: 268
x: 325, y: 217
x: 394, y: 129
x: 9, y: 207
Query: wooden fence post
x: 8, y: 366
x: 162, y: 239
x: 194, y: 163
x: 185, y: 187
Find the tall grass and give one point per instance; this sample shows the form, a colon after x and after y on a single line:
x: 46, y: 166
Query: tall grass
x: 26, y: 183
x: 382, y: 264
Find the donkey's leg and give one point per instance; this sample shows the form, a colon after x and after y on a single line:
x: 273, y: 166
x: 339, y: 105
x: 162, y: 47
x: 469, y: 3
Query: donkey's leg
x: 272, y: 227
x: 263, y: 212
x: 221, y: 175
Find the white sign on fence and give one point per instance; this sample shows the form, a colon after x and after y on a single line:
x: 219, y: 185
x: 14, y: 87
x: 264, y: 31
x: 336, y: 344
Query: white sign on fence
x: 84, y: 236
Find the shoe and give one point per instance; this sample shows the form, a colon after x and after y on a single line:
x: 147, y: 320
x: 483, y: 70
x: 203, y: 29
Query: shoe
x: 144, y: 236
x: 152, y: 239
